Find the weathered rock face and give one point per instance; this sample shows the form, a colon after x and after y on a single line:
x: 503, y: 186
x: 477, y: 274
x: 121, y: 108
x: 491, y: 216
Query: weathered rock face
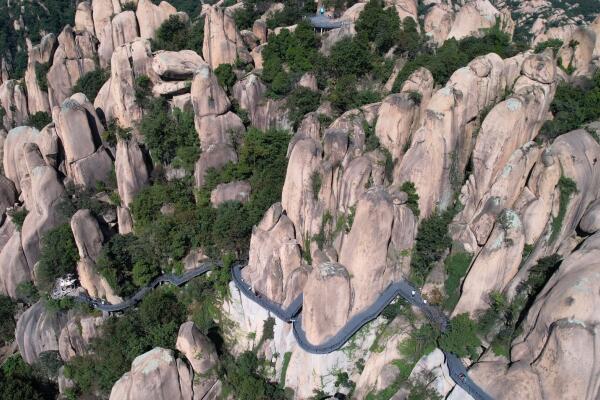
x: 8, y: 194
x: 556, y: 351
x: 121, y: 29
x: 331, y: 37
x: 117, y: 96
x: 84, y: 20
x: 223, y: 44
x: 473, y: 17
x: 579, y: 57
x: 322, y: 322
x: 197, y: 348
x: 89, y: 238
x: 87, y: 234
x: 42, y: 53
x: 450, y: 120
x: 503, y: 250
x: 264, y: 113
x: 157, y: 375
x: 131, y: 170
x: 38, y: 330
x: 151, y: 16
x: 217, y: 127
x: 75, y: 55
x: 444, y: 21
x: 75, y: 337
x: 14, y: 103
x: 176, y: 64
x: 79, y: 129
x: 275, y: 264
x: 233, y: 191
x: 366, y: 249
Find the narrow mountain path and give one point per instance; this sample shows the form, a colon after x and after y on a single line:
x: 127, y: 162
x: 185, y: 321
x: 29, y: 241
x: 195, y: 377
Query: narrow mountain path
x: 292, y: 314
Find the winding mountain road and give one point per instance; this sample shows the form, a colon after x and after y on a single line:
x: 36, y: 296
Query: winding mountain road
x: 292, y: 314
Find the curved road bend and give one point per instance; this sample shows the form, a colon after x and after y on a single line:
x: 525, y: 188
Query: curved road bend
x: 457, y: 370
x: 173, y: 279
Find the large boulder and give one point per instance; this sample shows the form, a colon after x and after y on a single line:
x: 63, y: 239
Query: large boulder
x: 156, y: 374
x: 75, y: 56
x: 232, y: 191
x: 223, y: 44
x: 215, y: 124
x: 75, y: 336
x: 197, y: 348
x: 275, y: 264
x: 151, y: 16
x: 176, y: 64
x: 84, y: 20
x: 131, y: 170
x: 42, y: 53
x: 13, y: 100
x: 117, y: 98
x: 79, y: 129
x: 329, y: 283
x: 264, y: 113
x: 123, y: 28
x: 38, y: 330
x: 555, y: 355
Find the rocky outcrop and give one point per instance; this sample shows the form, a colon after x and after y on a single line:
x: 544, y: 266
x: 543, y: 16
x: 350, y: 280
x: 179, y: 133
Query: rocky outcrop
x: 152, y: 16
x: 40, y: 54
x: 75, y: 56
x: 13, y: 101
x: 451, y: 118
x: 79, y: 129
x: 233, y: 191
x: 223, y: 44
x: 8, y: 194
x: 117, y: 97
x: 122, y: 29
x: 89, y: 238
x: 176, y: 64
x: 555, y: 353
x: 75, y: 337
x: 131, y: 170
x: 275, y: 264
x: 157, y: 374
x: 443, y: 21
x: 84, y: 20
x: 38, y: 330
x: 264, y: 113
x: 217, y: 127
x: 197, y: 348
x: 322, y: 322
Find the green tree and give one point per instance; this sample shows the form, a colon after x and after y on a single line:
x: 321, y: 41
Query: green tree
x: 175, y: 34
x: 225, y: 76
x: 7, y: 316
x: 20, y: 381
x: 381, y: 26
x: 170, y: 135
x: 39, y: 120
x: 413, y: 197
x: 461, y: 337
x: 58, y: 255
x: 91, y: 82
x: 18, y: 217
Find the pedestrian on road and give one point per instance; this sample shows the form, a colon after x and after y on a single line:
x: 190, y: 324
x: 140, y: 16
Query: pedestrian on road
x: 413, y: 293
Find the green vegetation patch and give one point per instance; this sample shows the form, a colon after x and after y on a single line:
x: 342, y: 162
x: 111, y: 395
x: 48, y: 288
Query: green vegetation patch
x: 39, y: 120
x: 91, y: 83
x: 175, y: 34
x: 58, y: 256
x: 457, y: 266
x: 572, y: 107
x: 566, y: 187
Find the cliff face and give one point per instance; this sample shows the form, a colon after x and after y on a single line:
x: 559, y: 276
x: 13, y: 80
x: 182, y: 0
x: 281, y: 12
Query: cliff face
x: 358, y: 189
